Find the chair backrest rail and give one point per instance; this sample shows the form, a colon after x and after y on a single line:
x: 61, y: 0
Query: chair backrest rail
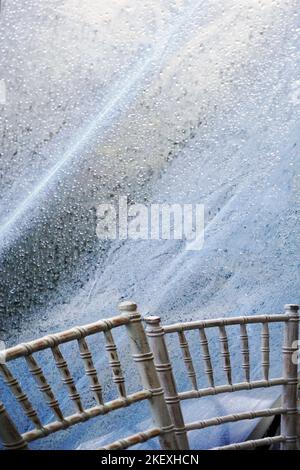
x: 236, y: 387
x: 253, y: 444
x: 87, y: 414
x: 234, y: 417
x: 133, y: 440
x: 216, y: 322
x: 55, y: 339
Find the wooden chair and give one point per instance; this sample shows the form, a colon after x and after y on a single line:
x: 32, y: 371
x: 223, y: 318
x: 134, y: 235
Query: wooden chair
x: 158, y: 382
x: 288, y: 381
x: 142, y: 355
